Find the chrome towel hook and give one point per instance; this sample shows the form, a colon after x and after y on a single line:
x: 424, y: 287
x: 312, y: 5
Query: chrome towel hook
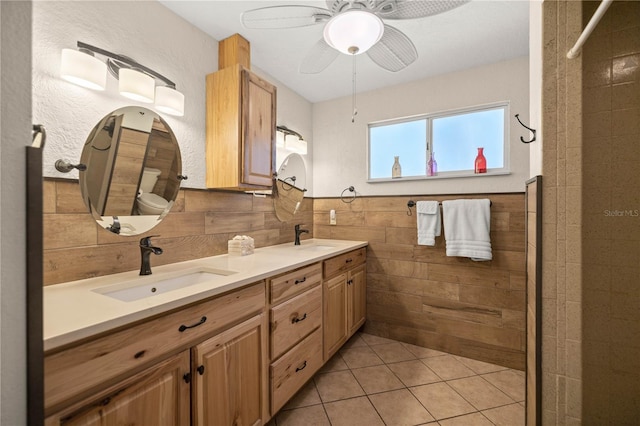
x: 410, y: 204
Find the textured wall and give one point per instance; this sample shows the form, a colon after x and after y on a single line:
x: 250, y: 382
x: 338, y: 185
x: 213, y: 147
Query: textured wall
x: 152, y: 35
x: 419, y: 295
x: 199, y: 225
x: 341, y: 145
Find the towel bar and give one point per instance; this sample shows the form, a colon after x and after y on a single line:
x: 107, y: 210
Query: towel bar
x: 411, y: 204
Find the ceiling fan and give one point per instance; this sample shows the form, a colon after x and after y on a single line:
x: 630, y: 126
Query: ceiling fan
x: 352, y: 27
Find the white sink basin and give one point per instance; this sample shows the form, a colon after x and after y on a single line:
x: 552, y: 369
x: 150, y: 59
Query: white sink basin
x: 148, y: 286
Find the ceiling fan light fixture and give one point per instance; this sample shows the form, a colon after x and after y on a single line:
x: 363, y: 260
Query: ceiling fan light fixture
x: 353, y: 32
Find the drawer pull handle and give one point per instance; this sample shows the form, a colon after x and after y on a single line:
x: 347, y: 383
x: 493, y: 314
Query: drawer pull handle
x: 300, y: 281
x: 186, y: 327
x: 348, y: 261
x: 297, y: 320
x: 302, y: 368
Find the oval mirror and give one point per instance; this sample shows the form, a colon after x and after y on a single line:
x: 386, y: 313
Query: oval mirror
x: 289, y: 187
x: 133, y: 170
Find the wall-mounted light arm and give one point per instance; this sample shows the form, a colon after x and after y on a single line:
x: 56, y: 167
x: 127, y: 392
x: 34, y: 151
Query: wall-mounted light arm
x: 128, y: 61
x: 289, y: 132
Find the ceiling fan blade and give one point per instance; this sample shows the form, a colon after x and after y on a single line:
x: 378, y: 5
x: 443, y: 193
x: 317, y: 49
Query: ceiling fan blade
x: 275, y: 17
x: 409, y: 9
x: 319, y: 57
x: 394, y: 51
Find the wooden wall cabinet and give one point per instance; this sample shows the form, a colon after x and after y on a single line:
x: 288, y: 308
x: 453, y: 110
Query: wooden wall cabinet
x: 344, y: 299
x: 240, y: 130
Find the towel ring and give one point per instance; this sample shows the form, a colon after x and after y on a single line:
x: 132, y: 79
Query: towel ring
x: 410, y: 204
x: 350, y: 189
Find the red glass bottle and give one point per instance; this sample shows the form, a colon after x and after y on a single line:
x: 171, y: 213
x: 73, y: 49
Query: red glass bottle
x: 481, y: 162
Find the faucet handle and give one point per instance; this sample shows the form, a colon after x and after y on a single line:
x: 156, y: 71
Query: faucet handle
x: 146, y: 241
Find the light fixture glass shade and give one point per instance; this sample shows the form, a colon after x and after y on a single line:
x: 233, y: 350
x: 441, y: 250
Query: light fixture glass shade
x: 136, y: 85
x: 357, y: 29
x: 294, y: 144
x: 83, y: 69
x: 169, y: 101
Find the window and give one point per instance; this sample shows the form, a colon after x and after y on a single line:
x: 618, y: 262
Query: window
x: 453, y: 137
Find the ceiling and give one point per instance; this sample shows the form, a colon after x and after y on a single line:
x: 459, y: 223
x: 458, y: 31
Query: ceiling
x: 479, y: 32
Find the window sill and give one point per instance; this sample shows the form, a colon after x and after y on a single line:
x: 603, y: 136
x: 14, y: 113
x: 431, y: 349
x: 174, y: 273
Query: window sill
x: 447, y: 175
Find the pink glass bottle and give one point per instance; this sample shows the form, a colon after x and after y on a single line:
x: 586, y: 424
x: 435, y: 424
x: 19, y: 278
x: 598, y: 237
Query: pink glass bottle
x: 481, y: 162
x: 432, y: 165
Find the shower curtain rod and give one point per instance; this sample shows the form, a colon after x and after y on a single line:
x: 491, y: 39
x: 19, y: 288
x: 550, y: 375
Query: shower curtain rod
x: 575, y: 50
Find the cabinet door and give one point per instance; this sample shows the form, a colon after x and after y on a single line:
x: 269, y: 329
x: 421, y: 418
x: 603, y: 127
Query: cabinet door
x: 157, y: 396
x: 335, y: 314
x: 230, y: 376
x: 258, y: 130
x: 356, y: 298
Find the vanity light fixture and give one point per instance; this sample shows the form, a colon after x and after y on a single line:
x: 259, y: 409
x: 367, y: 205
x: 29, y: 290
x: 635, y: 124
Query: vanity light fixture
x: 291, y: 141
x: 136, y: 81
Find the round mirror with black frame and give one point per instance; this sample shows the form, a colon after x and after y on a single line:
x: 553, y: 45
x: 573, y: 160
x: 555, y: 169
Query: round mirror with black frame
x: 289, y: 187
x: 133, y: 170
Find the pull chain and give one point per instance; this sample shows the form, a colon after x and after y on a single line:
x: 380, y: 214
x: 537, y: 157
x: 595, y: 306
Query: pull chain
x: 354, y: 50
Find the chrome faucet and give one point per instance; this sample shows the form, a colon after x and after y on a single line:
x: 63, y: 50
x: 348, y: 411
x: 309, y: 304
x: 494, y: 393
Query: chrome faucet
x: 145, y: 251
x: 298, y: 232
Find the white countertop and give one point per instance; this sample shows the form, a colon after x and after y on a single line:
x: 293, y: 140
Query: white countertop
x: 75, y: 310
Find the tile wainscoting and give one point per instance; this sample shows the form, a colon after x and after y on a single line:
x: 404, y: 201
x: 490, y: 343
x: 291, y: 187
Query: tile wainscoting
x: 199, y: 225
x: 416, y: 294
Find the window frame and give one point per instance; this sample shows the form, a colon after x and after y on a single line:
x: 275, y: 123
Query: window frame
x: 504, y: 170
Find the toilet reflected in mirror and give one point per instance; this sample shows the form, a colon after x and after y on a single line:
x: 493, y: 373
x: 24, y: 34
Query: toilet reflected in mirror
x: 133, y: 170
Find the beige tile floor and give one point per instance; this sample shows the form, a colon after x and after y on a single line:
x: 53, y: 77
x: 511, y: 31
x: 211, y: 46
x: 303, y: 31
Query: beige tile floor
x: 377, y: 381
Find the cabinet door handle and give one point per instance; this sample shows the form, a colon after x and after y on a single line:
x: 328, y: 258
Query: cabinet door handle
x: 186, y: 327
x: 348, y: 261
x: 300, y: 281
x: 200, y: 370
x: 187, y: 377
x: 297, y: 320
x: 302, y: 368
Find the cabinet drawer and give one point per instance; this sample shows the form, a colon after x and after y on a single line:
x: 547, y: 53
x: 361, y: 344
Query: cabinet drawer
x: 294, y: 368
x: 294, y: 319
x: 292, y: 283
x: 344, y: 262
x: 97, y: 363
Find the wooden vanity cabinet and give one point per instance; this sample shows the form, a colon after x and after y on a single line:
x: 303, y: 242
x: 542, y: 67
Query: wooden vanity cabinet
x: 210, y: 357
x: 344, y: 299
x: 295, y: 331
x: 230, y: 377
x: 240, y: 130
x: 156, y: 396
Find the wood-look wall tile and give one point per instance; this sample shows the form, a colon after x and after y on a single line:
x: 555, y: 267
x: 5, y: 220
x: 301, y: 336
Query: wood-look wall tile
x: 389, y: 251
x: 387, y: 204
x: 68, y: 230
x: 517, y: 221
x: 327, y: 204
x: 462, y: 311
x: 468, y: 275
x: 500, y: 221
x: 69, y: 198
x: 416, y: 319
x: 357, y: 233
x: 399, y: 268
x: 178, y: 204
x: 395, y: 235
x: 517, y: 280
x: 507, y: 240
x: 217, y: 201
x: 402, y: 301
x: 392, y: 219
x: 498, y: 336
x: 509, y: 299
x: 216, y: 223
x: 262, y: 204
x: 48, y: 196
x: 441, y: 290
x: 377, y: 281
x: 173, y: 225
x: 514, y: 319
x: 507, y: 260
x: 322, y: 231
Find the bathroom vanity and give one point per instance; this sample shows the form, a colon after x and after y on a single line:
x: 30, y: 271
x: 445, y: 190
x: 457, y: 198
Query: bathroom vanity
x: 220, y: 340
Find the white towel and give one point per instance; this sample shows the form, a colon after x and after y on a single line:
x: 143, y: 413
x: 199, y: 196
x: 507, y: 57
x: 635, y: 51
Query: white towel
x: 468, y: 223
x: 429, y: 224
